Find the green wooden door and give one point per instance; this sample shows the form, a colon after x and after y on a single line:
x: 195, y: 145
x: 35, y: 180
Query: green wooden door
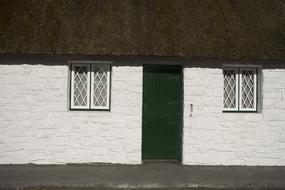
x: 162, y: 113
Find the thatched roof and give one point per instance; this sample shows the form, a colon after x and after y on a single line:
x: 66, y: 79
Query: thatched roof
x: 186, y: 28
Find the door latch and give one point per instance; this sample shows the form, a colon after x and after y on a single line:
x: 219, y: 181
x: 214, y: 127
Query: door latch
x: 191, y: 109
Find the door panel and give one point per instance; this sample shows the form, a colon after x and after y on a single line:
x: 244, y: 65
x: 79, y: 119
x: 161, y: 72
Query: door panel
x: 161, y: 135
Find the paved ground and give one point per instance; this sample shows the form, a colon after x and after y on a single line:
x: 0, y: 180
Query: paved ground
x: 147, y: 176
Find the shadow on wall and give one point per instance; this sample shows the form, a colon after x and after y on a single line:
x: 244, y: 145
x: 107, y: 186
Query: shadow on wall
x: 135, y: 60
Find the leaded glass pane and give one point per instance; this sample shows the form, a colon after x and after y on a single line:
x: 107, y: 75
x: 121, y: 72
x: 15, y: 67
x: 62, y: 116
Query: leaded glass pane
x: 80, y: 86
x: 100, y: 86
x: 229, y: 89
x: 247, y: 89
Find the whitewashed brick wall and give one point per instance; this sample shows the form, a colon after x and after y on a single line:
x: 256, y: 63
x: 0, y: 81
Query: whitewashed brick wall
x: 215, y: 138
x: 36, y: 125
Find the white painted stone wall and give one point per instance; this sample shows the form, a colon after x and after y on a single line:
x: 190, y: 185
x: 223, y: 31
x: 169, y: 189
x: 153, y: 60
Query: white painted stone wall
x: 36, y: 125
x: 212, y: 137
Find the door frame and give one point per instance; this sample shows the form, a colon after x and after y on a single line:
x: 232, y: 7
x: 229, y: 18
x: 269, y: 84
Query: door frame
x: 180, y: 161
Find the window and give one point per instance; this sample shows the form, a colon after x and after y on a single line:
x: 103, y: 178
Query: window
x: 240, y: 89
x: 90, y: 86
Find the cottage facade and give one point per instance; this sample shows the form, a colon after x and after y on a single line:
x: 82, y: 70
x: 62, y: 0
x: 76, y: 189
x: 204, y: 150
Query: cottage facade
x: 147, y: 82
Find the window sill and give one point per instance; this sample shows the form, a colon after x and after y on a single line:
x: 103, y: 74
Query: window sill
x: 104, y: 110
x: 237, y: 111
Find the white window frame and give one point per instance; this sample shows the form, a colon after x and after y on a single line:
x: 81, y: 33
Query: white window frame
x: 72, y: 87
x: 238, y: 75
x: 254, y: 87
x: 108, y: 86
x: 237, y: 88
x: 91, y: 66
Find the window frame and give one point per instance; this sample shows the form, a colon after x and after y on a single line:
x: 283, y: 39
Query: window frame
x: 254, y: 87
x: 107, y: 107
x: 91, y: 65
x: 238, y: 98
x: 72, y: 106
x: 236, y: 90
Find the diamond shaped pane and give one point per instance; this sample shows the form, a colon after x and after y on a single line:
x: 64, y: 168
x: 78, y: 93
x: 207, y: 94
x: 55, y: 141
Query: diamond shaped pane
x: 247, y: 89
x: 229, y: 89
x: 80, y: 85
x: 100, y: 86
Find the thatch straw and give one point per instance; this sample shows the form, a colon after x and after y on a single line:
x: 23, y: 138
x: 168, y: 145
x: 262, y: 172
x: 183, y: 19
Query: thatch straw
x: 186, y: 28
